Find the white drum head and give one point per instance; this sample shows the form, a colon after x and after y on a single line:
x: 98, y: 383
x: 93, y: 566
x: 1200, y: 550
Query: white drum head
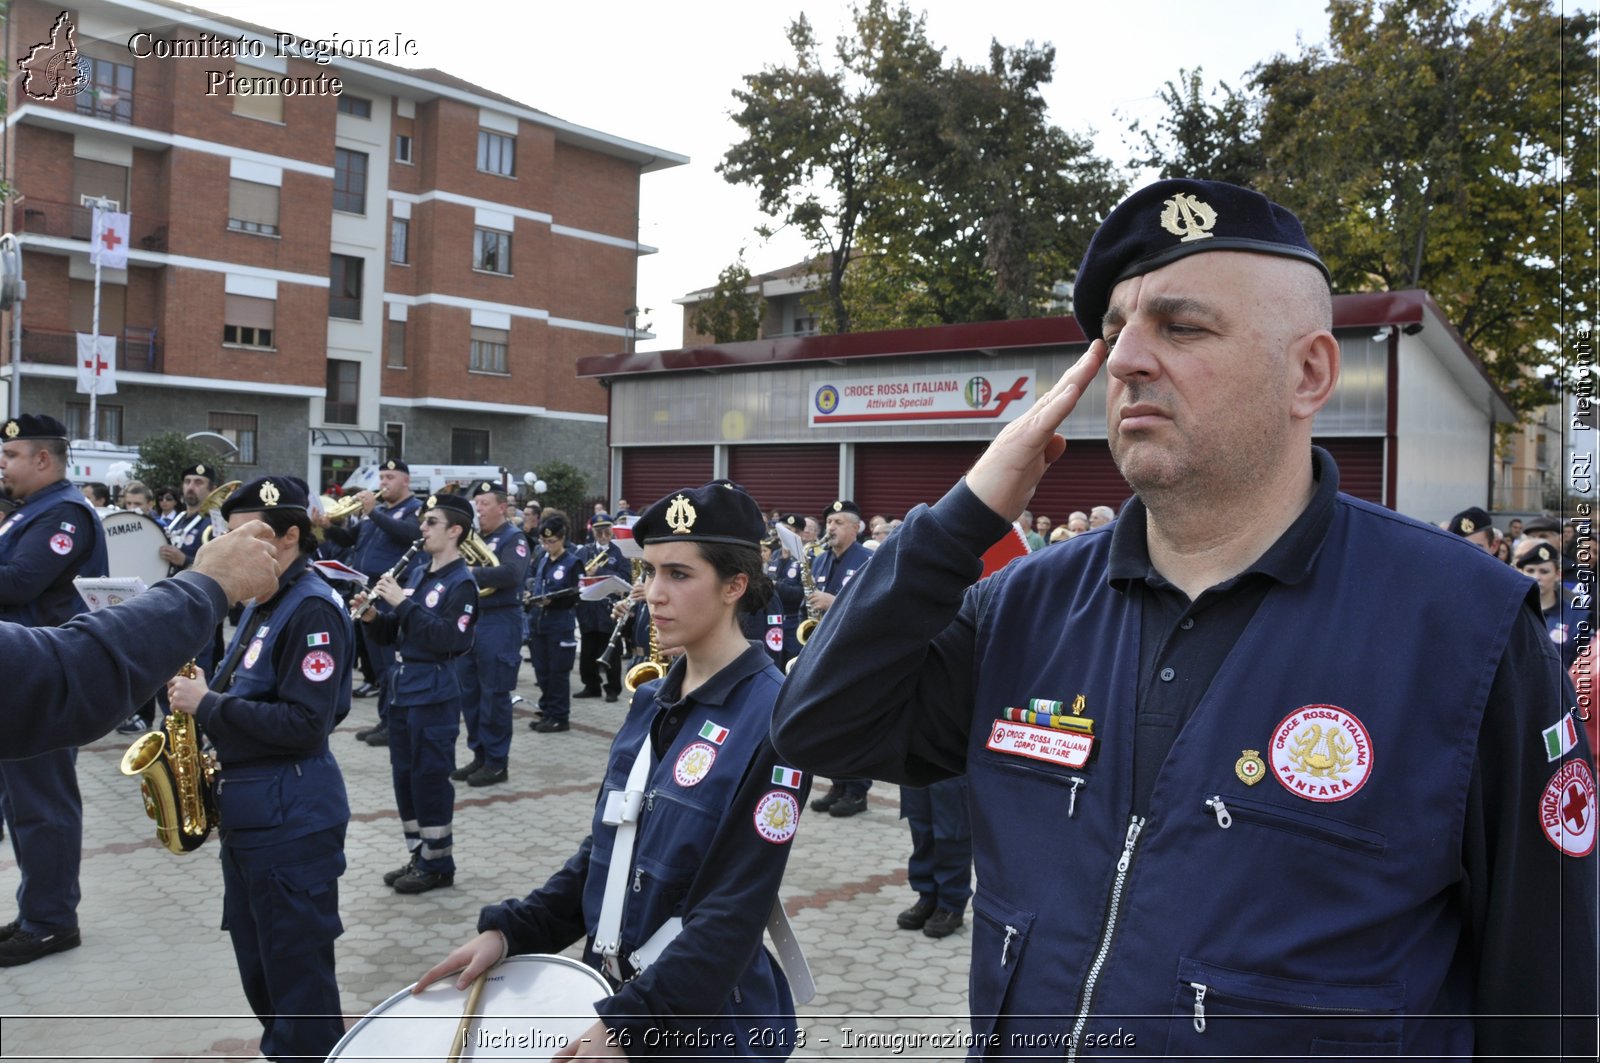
x: 531, y: 1008
x: 133, y: 542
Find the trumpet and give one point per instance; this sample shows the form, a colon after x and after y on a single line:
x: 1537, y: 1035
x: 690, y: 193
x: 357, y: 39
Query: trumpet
x: 344, y: 508
x: 363, y: 598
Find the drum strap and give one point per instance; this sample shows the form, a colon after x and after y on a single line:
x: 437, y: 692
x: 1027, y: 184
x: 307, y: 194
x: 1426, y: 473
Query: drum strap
x: 622, y: 812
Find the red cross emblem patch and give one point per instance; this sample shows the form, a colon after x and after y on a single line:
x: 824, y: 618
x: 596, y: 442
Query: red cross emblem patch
x: 1567, y: 809
x: 317, y: 666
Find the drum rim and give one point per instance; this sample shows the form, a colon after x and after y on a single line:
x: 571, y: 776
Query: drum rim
x: 524, y: 958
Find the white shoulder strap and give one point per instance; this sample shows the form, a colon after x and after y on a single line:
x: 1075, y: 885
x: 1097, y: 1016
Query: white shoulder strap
x: 622, y: 812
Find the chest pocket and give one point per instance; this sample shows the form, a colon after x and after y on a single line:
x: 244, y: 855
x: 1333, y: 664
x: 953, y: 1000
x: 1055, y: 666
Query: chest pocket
x: 250, y: 800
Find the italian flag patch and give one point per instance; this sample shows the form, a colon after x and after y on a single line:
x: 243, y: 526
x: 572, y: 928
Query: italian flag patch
x: 318, y: 639
x: 1560, y: 738
x: 713, y: 732
x: 782, y: 776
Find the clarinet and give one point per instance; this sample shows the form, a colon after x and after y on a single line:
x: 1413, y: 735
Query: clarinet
x: 364, y: 596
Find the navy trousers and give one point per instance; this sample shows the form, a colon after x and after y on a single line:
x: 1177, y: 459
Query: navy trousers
x: 280, y: 905
x: 941, y: 842
x: 422, y: 749
x: 553, y: 648
x: 488, y: 676
x: 44, y: 818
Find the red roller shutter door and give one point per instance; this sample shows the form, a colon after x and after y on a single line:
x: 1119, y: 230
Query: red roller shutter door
x: 1085, y: 477
x: 891, y: 478
x: 791, y: 478
x: 648, y: 473
x: 1360, y: 464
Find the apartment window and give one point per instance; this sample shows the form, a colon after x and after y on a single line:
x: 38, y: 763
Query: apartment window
x: 355, y: 105
x: 489, y: 346
x: 240, y: 430
x: 113, y: 307
x: 344, y: 287
x: 93, y: 180
x: 396, y: 431
x: 402, y: 147
x: 252, y: 207
x: 349, y: 181
x: 248, y: 321
x: 263, y: 106
x: 395, y: 341
x: 400, y: 240
x: 497, y: 153
x: 109, y: 418
x: 109, y: 94
x: 343, y: 403
x: 469, y: 446
x: 491, y: 251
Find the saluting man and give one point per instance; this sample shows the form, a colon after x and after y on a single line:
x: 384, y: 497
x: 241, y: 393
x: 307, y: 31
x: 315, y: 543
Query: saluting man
x: 388, y: 528
x: 52, y: 536
x: 552, y: 636
x: 594, y: 618
x: 430, y: 627
x: 282, y: 808
x: 489, y: 672
x: 831, y: 570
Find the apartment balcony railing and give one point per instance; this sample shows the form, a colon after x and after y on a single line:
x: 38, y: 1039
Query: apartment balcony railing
x: 70, y: 222
x: 137, y: 349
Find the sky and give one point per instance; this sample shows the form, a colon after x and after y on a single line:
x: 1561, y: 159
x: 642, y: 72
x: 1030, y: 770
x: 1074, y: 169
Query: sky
x: 663, y: 74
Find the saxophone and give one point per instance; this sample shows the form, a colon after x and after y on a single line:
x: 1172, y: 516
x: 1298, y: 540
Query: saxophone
x: 808, y: 626
x: 175, y: 780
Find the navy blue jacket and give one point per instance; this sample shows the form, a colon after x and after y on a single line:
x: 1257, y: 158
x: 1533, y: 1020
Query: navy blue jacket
x: 53, y: 536
x: 278, y: 780
x: 188, y: 532
x: 1352, y: 839
x: 546, y: 578
x: 833, y: 574
x: 712, y: 844
x: 430, y: 629
x: 502, y: 583
x: 383, y: 535
x: 596, y: 616
x: 784, y: 571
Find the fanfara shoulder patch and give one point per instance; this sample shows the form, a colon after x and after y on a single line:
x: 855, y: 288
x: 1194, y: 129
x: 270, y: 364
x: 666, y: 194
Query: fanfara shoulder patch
x: 317, y: 666
x: 1567, y: 809
x: 1321, y: 753
x: 777, y: 816
x: 694, y: 763
x: 433, y: 597
x: 253, y: 654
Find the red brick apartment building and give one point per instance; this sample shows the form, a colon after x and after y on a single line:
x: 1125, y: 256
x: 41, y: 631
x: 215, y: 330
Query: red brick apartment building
x: 410, y: 267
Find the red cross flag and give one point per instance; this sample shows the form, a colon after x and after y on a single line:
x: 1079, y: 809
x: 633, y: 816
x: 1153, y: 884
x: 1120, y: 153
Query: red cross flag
x: 97, y: 365
x: 108, y: 239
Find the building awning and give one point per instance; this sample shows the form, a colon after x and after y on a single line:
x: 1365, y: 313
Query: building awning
x: 354, y: 438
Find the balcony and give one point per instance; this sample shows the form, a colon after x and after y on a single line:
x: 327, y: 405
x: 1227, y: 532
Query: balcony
x: 137, y: 349
x: 40, y: 217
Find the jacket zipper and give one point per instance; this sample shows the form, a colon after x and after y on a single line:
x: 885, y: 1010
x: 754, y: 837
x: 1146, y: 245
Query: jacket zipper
x: 1201, y: 989
x: 1106, y: 933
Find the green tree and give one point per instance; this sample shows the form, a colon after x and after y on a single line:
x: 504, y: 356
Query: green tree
x: 733, y: 312
x: 1428, y: 147
x: 1213, y: 134
x: 164, y: 457
x: 565, y: 489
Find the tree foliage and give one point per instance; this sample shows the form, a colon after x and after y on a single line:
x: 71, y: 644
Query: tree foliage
x: 733, y: 312
x: 1426, y: 147
x: 164, y: 457
x: 1196, y: 137
x: 565, y: 489
x: 940, y: 184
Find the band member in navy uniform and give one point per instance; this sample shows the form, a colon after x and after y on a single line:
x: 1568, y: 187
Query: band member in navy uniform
x: 186, y: 533
x: 281, y: 687
x: 552, y: 634
x: 1542, y: 564
x: 388, y: 528
x: 51, y: 537
x: 832, y: 570
x: 769, y: 627
x: 708, y: 847
x: 594, y: 618
x: 431, y: 626
x: 1311, y: 770
x: 784, y: 571
x: 489, y: 672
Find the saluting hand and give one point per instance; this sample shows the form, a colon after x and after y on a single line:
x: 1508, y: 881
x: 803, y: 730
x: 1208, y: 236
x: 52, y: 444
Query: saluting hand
x: 184, y: 693
x: 242, y: 562
x: 1007, y: 473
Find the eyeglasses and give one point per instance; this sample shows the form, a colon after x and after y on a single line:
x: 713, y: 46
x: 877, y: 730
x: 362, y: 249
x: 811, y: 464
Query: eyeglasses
x: 433, y: 522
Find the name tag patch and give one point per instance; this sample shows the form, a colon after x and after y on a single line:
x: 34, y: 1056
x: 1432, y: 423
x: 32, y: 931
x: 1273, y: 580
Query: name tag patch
x: 1067, y: 748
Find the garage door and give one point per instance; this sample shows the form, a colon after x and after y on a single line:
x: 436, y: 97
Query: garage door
x: 648, y: 473
x: 791, y: 478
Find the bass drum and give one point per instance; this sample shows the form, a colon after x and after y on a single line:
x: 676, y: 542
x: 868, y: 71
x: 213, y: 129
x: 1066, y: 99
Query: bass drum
x: 133, y: 542
x: 531, y: 1008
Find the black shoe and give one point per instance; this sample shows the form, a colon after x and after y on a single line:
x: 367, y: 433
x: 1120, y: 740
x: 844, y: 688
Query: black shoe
x: 611, y: 696
x: 588, y: 692
x: 391, y: 877
x: 419, y: 881
x: 9, y: 931
x: 131, y: 726
x: 848, y: 805
x: 545, y: 727
x: 916, y: 916
x: 485, y: 776
x: 378, y: 736
x: 23, y: 947
x: 466, y: 771
x: 829, y: 799
x: 942, y: 923
x: 365, y: 690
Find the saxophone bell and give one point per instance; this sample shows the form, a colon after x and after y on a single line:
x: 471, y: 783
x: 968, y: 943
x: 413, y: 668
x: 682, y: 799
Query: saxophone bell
x: 175, y: 780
